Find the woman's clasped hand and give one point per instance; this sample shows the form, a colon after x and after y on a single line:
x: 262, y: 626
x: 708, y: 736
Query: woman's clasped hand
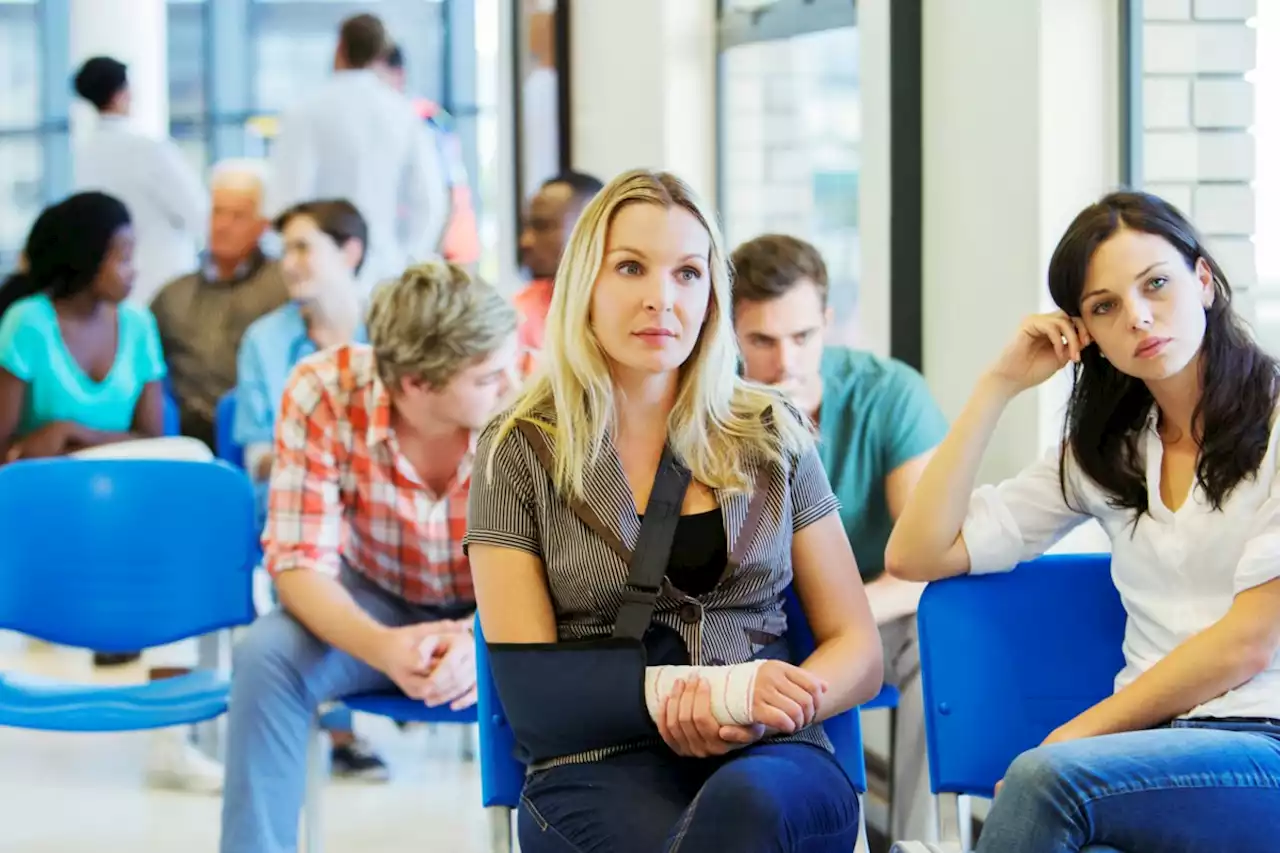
x: 784, y: 699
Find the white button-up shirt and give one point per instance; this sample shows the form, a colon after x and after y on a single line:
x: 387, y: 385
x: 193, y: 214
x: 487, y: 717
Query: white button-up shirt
x: 361, y: 140
x: 1177, y: 572
x: 166, y: 199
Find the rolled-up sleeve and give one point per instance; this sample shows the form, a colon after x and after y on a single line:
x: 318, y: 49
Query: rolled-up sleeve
x: 811, y: 495
x: 1260, y: 561
x: 304, y: 507
x: 500, y: 506
x: 1022, y: 517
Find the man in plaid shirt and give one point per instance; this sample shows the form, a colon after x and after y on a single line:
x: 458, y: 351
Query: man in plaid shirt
x: 367, y: 510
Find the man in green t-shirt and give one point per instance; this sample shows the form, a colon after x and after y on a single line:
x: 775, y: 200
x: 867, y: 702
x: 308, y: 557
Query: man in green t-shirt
x: 878, y: 426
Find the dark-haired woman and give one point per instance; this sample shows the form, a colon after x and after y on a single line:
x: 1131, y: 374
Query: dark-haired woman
x: 1170, y: 443
x: 79, y: 367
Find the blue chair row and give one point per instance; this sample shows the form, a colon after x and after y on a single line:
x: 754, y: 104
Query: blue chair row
x: 1005, y: 660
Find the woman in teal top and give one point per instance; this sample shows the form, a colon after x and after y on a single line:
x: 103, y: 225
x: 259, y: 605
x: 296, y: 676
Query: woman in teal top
x: 79, y: 367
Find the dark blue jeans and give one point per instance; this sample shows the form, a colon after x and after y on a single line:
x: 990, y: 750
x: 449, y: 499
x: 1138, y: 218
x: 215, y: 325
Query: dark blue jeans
x: 785, y: 797
x: 1175, y: 790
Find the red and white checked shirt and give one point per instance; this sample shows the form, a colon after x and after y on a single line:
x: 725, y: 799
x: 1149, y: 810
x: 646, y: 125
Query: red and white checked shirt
x: 341, y: 490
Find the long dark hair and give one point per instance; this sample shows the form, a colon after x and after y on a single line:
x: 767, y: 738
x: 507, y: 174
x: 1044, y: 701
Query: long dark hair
x: 66, y: 247
x: 1108, y: 409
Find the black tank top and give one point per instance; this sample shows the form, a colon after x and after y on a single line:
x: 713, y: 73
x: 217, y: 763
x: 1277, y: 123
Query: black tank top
x: 699, y: 552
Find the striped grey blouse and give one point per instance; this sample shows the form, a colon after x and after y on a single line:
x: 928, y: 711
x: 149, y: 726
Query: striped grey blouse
x: 517, y: 507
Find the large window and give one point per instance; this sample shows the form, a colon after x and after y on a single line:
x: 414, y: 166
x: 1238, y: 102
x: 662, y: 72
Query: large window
x: 790, y: 154
x: 22, y: 192
x: 792, y: 150
x: 188, y: 86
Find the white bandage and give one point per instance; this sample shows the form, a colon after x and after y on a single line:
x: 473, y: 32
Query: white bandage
x: 732, y: 689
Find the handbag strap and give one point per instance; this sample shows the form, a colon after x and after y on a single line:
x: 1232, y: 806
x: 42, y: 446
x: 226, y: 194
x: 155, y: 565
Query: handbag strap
x: 647, y: 565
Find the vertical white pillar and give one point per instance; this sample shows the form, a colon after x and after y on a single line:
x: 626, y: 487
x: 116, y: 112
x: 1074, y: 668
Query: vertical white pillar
x: 134, y: 32
x: 643, y: 89
x: 1021, y: 130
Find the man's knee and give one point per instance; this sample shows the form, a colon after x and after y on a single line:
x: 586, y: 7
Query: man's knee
x: 272, y: 655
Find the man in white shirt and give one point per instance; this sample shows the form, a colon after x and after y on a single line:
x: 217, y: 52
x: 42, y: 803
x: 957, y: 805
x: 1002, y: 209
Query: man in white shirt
x: 358, y: 139
x: 164, y: 195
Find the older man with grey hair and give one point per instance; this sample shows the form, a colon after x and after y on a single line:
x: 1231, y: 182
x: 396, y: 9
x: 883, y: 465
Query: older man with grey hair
x: 203, y: 315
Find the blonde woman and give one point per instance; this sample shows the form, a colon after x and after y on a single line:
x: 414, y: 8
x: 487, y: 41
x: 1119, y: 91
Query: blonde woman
x: 639, y: 361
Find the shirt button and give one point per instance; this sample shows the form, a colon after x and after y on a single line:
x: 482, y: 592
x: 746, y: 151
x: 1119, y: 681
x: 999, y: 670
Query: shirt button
x: 690, y: 613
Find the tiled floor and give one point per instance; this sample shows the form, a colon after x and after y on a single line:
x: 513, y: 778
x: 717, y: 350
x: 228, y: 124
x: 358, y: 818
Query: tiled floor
x: 67, y: 793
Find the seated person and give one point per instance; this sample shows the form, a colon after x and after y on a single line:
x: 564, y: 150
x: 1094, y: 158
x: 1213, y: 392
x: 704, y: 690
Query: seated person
x: 877, y: 425
x: 642, y: 357
x: 81, y: 372
x: 323, y: 249
x: 79, y: 366
x: 202, y: 317
x: 1170, y: 442
x: 552, y: 214
x: 368, y: 572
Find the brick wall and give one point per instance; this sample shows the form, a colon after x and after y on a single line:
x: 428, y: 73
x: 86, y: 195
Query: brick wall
x: 1197, y: 110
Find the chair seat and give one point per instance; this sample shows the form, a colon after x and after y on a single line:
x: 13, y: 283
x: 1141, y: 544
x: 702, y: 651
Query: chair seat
x: 28, y: 702
x: 402, y: 709
x: 887, y: 698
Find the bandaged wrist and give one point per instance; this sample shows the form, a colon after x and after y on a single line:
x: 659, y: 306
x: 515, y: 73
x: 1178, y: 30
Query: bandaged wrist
x: 732, y: 689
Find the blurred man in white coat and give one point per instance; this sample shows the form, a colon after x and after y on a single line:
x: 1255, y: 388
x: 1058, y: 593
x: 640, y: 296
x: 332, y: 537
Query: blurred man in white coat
x: 165, y: 197
x: 358, y: 139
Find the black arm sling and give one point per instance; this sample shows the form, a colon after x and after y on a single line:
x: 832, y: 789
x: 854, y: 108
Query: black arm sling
x: 570, y: 697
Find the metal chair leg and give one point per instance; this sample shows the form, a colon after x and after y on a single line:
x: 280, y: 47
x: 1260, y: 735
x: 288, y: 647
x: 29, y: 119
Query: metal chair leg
x: 499, y: 829
x: 863, y: 845
x: 318, y: 749
x: 893, y: 773
x: 955, y: 820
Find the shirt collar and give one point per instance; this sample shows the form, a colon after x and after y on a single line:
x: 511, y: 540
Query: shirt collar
x: 379, y: 431
x: 245, y: 269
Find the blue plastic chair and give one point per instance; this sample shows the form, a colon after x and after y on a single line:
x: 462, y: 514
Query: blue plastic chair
x: 1007, y: 658
x: 172, y: 415
x: 116, y: 556
x: 224, y: 443
x: 502, y: 776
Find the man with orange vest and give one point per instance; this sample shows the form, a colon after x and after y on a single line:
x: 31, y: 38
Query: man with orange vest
x: 548, y: 222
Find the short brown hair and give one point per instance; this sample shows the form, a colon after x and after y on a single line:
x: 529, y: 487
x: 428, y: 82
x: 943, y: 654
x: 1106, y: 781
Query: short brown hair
x: 363, y: 40
x: 434, y: 321
x: 336, y: 217
x: 770, y: 265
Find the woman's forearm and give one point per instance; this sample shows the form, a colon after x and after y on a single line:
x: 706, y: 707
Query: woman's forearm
x: 924, y: 545
x: 1209, y: 664
x: 852, y: 665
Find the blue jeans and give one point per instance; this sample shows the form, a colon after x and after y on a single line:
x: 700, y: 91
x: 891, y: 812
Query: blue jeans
x: 771, y: 797
x: 281, y: 673
x: 1175, y: 790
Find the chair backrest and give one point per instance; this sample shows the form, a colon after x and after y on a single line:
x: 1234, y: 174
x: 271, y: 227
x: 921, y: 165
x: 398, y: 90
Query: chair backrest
x: 1007, y: 658
x: 502, y: 776
x: 224, y: 418
x: 172, y: 415
x: 122, y: 555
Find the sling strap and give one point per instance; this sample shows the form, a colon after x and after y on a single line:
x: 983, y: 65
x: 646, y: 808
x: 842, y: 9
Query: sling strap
x: 647, y: 565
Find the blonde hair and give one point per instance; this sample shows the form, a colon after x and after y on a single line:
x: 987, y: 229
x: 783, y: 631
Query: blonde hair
x: 719, y: 421
x: 434, y: 321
